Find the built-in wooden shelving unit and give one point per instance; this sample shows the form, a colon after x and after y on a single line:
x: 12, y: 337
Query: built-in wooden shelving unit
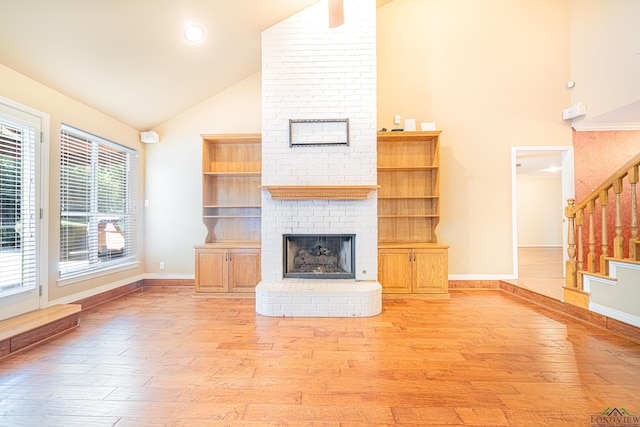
x: 229, y: 260
x: 410, y: 258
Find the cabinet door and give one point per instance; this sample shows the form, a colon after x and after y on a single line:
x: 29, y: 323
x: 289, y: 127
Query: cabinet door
x: 212, y: 273
x: 394, y: 270
x: 431, y: 271
x: 244, y: 270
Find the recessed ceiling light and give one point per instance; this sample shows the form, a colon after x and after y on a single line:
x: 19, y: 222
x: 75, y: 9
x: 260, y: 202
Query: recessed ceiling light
x: 193, y: 33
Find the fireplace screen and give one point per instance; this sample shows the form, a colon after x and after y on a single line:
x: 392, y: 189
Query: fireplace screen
x: 321, y: 256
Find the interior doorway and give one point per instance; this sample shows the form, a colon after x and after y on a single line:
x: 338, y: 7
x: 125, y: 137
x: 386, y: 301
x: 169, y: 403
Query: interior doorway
x: 542, y: 181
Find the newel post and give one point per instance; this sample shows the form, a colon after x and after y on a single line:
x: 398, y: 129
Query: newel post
x: 573, y: 292
x: 571, y: 264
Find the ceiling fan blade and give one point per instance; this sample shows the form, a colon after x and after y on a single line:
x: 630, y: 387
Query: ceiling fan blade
x: 336, y: 13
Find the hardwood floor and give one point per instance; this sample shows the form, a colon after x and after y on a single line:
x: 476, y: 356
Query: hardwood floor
x: 160, y: 357
x: 540, y: 270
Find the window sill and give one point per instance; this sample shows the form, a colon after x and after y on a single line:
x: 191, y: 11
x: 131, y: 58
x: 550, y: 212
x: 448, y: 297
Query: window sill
x: 82, y: 277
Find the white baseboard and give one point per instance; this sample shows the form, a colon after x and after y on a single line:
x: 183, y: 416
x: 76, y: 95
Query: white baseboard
x: 615, y: 314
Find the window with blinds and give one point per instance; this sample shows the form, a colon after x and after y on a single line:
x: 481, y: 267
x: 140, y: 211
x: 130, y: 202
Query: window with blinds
x: 17, y: 207
x: 98, y: 203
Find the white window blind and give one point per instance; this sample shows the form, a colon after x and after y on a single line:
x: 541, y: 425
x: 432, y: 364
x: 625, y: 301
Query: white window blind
x: 17, y: 207
x: 98, y: 203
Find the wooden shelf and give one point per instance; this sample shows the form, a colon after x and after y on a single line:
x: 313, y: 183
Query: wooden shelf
x: 230, y: 244
x: 232, y: 216
x: 229, y: 260
x: 220, y: 211
x: 231, y: 154
x: 408, y: 216
x: 407, y: 197
x: 231, y: 176
x: 258, y: 173
x: 414, y: 245
x: 407, y: 169
x: 229, y: 208
x: 410, y: 259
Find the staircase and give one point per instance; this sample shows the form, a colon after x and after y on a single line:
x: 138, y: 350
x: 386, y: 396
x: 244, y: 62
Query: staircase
x: 597, y: 280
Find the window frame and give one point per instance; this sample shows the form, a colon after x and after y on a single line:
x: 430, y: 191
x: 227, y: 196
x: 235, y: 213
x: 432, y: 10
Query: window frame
x: 94, y: 264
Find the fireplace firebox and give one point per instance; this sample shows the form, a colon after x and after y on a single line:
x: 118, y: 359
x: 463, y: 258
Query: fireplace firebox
x: 319, y: 256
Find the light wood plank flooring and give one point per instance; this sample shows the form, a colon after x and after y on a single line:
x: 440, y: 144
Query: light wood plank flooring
x: 540, y: 270
x: 160, y: 357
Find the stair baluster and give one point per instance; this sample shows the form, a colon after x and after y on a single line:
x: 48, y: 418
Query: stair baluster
x: 604, y: 245
x: 579, y: 226
x: 618, y: 240
x: 571, y: 265
x: 633, y: 180
x: 591, y: 256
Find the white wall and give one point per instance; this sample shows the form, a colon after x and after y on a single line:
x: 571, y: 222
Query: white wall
x: 540, y: 210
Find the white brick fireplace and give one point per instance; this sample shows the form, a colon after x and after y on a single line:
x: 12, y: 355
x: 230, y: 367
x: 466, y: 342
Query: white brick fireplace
x: 310, y: 71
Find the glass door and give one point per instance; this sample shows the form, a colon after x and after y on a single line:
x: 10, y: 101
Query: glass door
x: 20, y: 136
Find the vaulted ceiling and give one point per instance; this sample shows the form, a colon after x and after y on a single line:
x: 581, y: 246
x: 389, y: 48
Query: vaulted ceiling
x: 128, y: 58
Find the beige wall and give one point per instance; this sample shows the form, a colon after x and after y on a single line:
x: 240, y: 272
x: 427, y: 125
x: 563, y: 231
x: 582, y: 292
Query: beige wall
x: 605, y: 54
x: 173, y: 220
x: 63, y: 109
x: 492, y: 74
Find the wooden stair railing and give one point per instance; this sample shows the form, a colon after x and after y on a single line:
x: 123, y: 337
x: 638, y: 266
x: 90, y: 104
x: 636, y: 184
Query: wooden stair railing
x: 577, y: 212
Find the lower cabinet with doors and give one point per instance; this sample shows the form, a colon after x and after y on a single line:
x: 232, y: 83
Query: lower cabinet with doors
x: 227, y: 269
x: 418, y: 269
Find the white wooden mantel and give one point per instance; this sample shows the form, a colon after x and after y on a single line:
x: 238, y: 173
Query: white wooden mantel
x: 320, y: 192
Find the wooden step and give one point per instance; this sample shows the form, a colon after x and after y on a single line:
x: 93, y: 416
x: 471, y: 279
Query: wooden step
x: 22, y: 331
